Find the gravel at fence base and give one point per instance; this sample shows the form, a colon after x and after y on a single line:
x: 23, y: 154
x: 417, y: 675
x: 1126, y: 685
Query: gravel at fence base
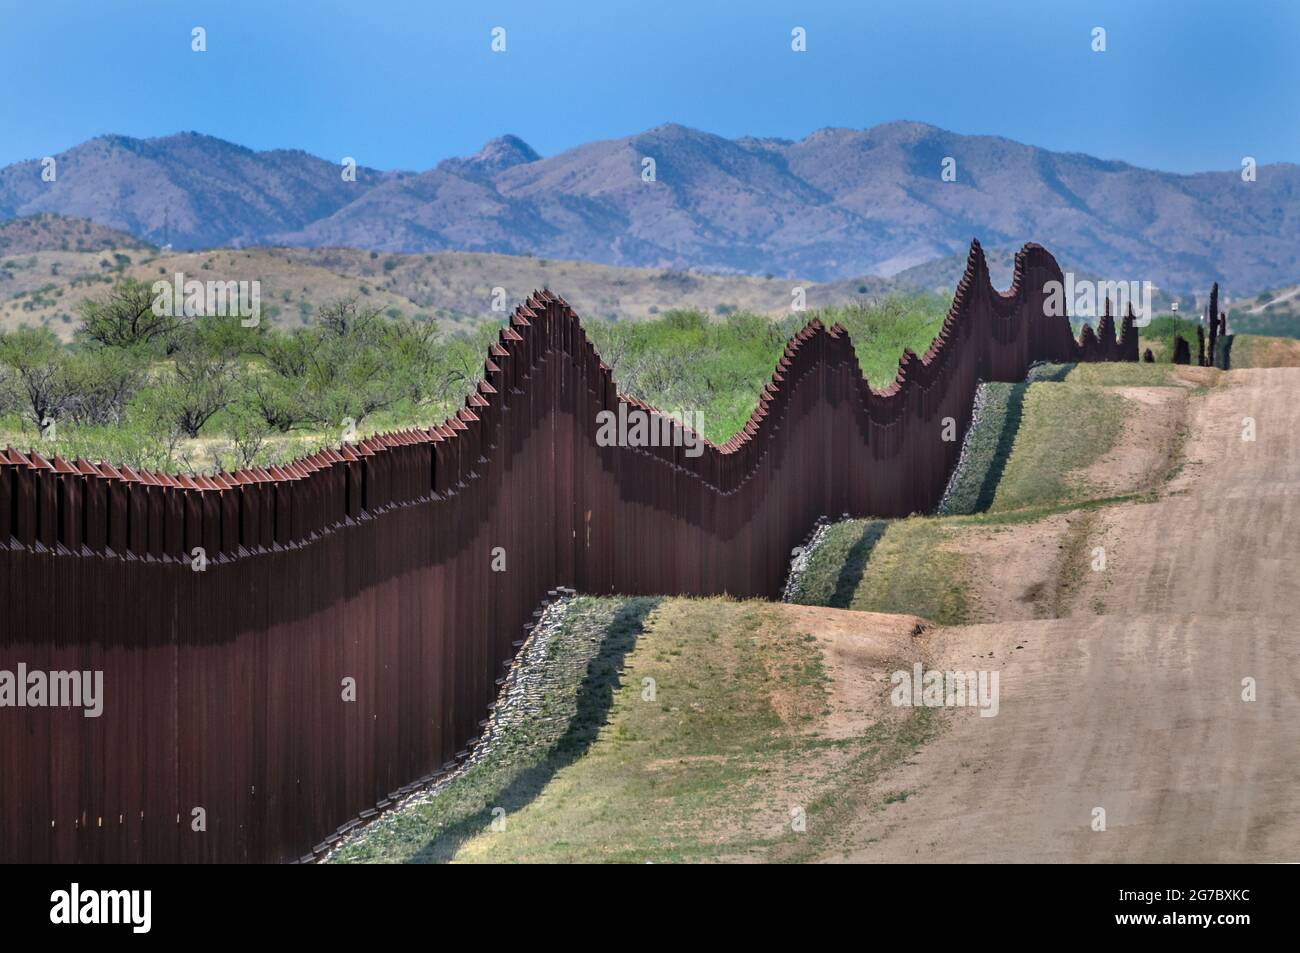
x: 802, y: 554
x: 534, y: 707
x: 963, y: 458
x: 382, y: 506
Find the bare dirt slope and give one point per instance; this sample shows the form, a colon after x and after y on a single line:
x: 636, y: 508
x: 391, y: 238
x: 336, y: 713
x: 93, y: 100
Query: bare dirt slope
x: 858, y: 649
x: 1137, y: 709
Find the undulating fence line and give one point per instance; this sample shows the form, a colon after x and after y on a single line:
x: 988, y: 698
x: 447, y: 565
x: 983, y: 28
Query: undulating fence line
x: 345, y: 636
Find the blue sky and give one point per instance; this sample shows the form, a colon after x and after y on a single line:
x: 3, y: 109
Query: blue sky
x: 1184, y: 85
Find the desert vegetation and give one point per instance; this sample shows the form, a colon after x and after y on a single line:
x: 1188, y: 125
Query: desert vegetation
x: 747, y: 728
x: 207, y: 394
x: 685, y: 360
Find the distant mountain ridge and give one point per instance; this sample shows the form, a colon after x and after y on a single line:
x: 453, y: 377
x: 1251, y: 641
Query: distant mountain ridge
x: 837, y: 204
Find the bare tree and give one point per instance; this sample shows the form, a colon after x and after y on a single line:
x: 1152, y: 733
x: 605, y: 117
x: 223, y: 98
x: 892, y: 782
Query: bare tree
x: 126, y: 317
x: 202, y: 380
x: 198, y: 387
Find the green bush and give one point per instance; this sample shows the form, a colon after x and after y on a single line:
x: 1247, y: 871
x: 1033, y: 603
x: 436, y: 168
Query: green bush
x: 137, y: 387
x: 1164, y: 328
x: 683, y: 362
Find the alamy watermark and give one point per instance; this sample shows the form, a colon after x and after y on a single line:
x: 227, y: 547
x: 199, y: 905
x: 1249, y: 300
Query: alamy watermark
x: 191, y: 298
x: 633, y: 427
x: 38, y: 689
x: 75, y: 906
x: 939, y: 689
x: 1085, y: 298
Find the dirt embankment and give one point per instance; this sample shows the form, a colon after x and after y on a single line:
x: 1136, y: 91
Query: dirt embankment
x: 1130, y: 708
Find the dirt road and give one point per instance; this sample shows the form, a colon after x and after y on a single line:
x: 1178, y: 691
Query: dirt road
x: 1138, y: 710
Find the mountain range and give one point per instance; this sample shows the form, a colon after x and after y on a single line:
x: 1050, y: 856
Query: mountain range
x: 834, y: 205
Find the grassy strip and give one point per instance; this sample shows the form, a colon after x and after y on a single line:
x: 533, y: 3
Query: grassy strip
x: 671, y: 731
x: 1065, y: 428
x: 988, y: 448
x: 692, y: 770
x: 1022, y: 465
x: 1074, y: 562
x: 888, y: 566
x: 992, y: 440
x: 1121, y: 374
x: 1032, y: 514
x: 1249, y: 350
x: 911, y: 570
x: 837, y: 564
x: 576, y: 682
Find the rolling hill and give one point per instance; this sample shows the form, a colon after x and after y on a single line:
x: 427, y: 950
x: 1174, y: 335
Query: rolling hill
x: 43, y: 283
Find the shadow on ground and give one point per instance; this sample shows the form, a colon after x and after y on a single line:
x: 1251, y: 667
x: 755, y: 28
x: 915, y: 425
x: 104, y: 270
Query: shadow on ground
x: 855, y: 563
x: 594, y: 701
x: 997, y: 465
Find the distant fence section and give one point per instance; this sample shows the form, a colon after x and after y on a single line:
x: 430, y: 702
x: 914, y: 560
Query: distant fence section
x: 346, y: 634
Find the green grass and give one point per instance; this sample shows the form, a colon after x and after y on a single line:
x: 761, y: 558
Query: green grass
x: 1078, y: 424
x: 689, y: 362
x: 837, y: 563
x: 1023, y: 463
x: 706, y: 769
x: 911, y: 571
x: 1160, y: 333
x: 888, y: 566
x: 881, y: 331
x: 1250, y: 350
x: 988, y: 448
x: 1121, y: 374
x: 1065, y: 428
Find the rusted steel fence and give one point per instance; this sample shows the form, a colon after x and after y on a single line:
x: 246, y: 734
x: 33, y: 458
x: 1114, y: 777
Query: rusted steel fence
x: 225, y: 691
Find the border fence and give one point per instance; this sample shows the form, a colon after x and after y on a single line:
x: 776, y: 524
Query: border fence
x: 225, y: 690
